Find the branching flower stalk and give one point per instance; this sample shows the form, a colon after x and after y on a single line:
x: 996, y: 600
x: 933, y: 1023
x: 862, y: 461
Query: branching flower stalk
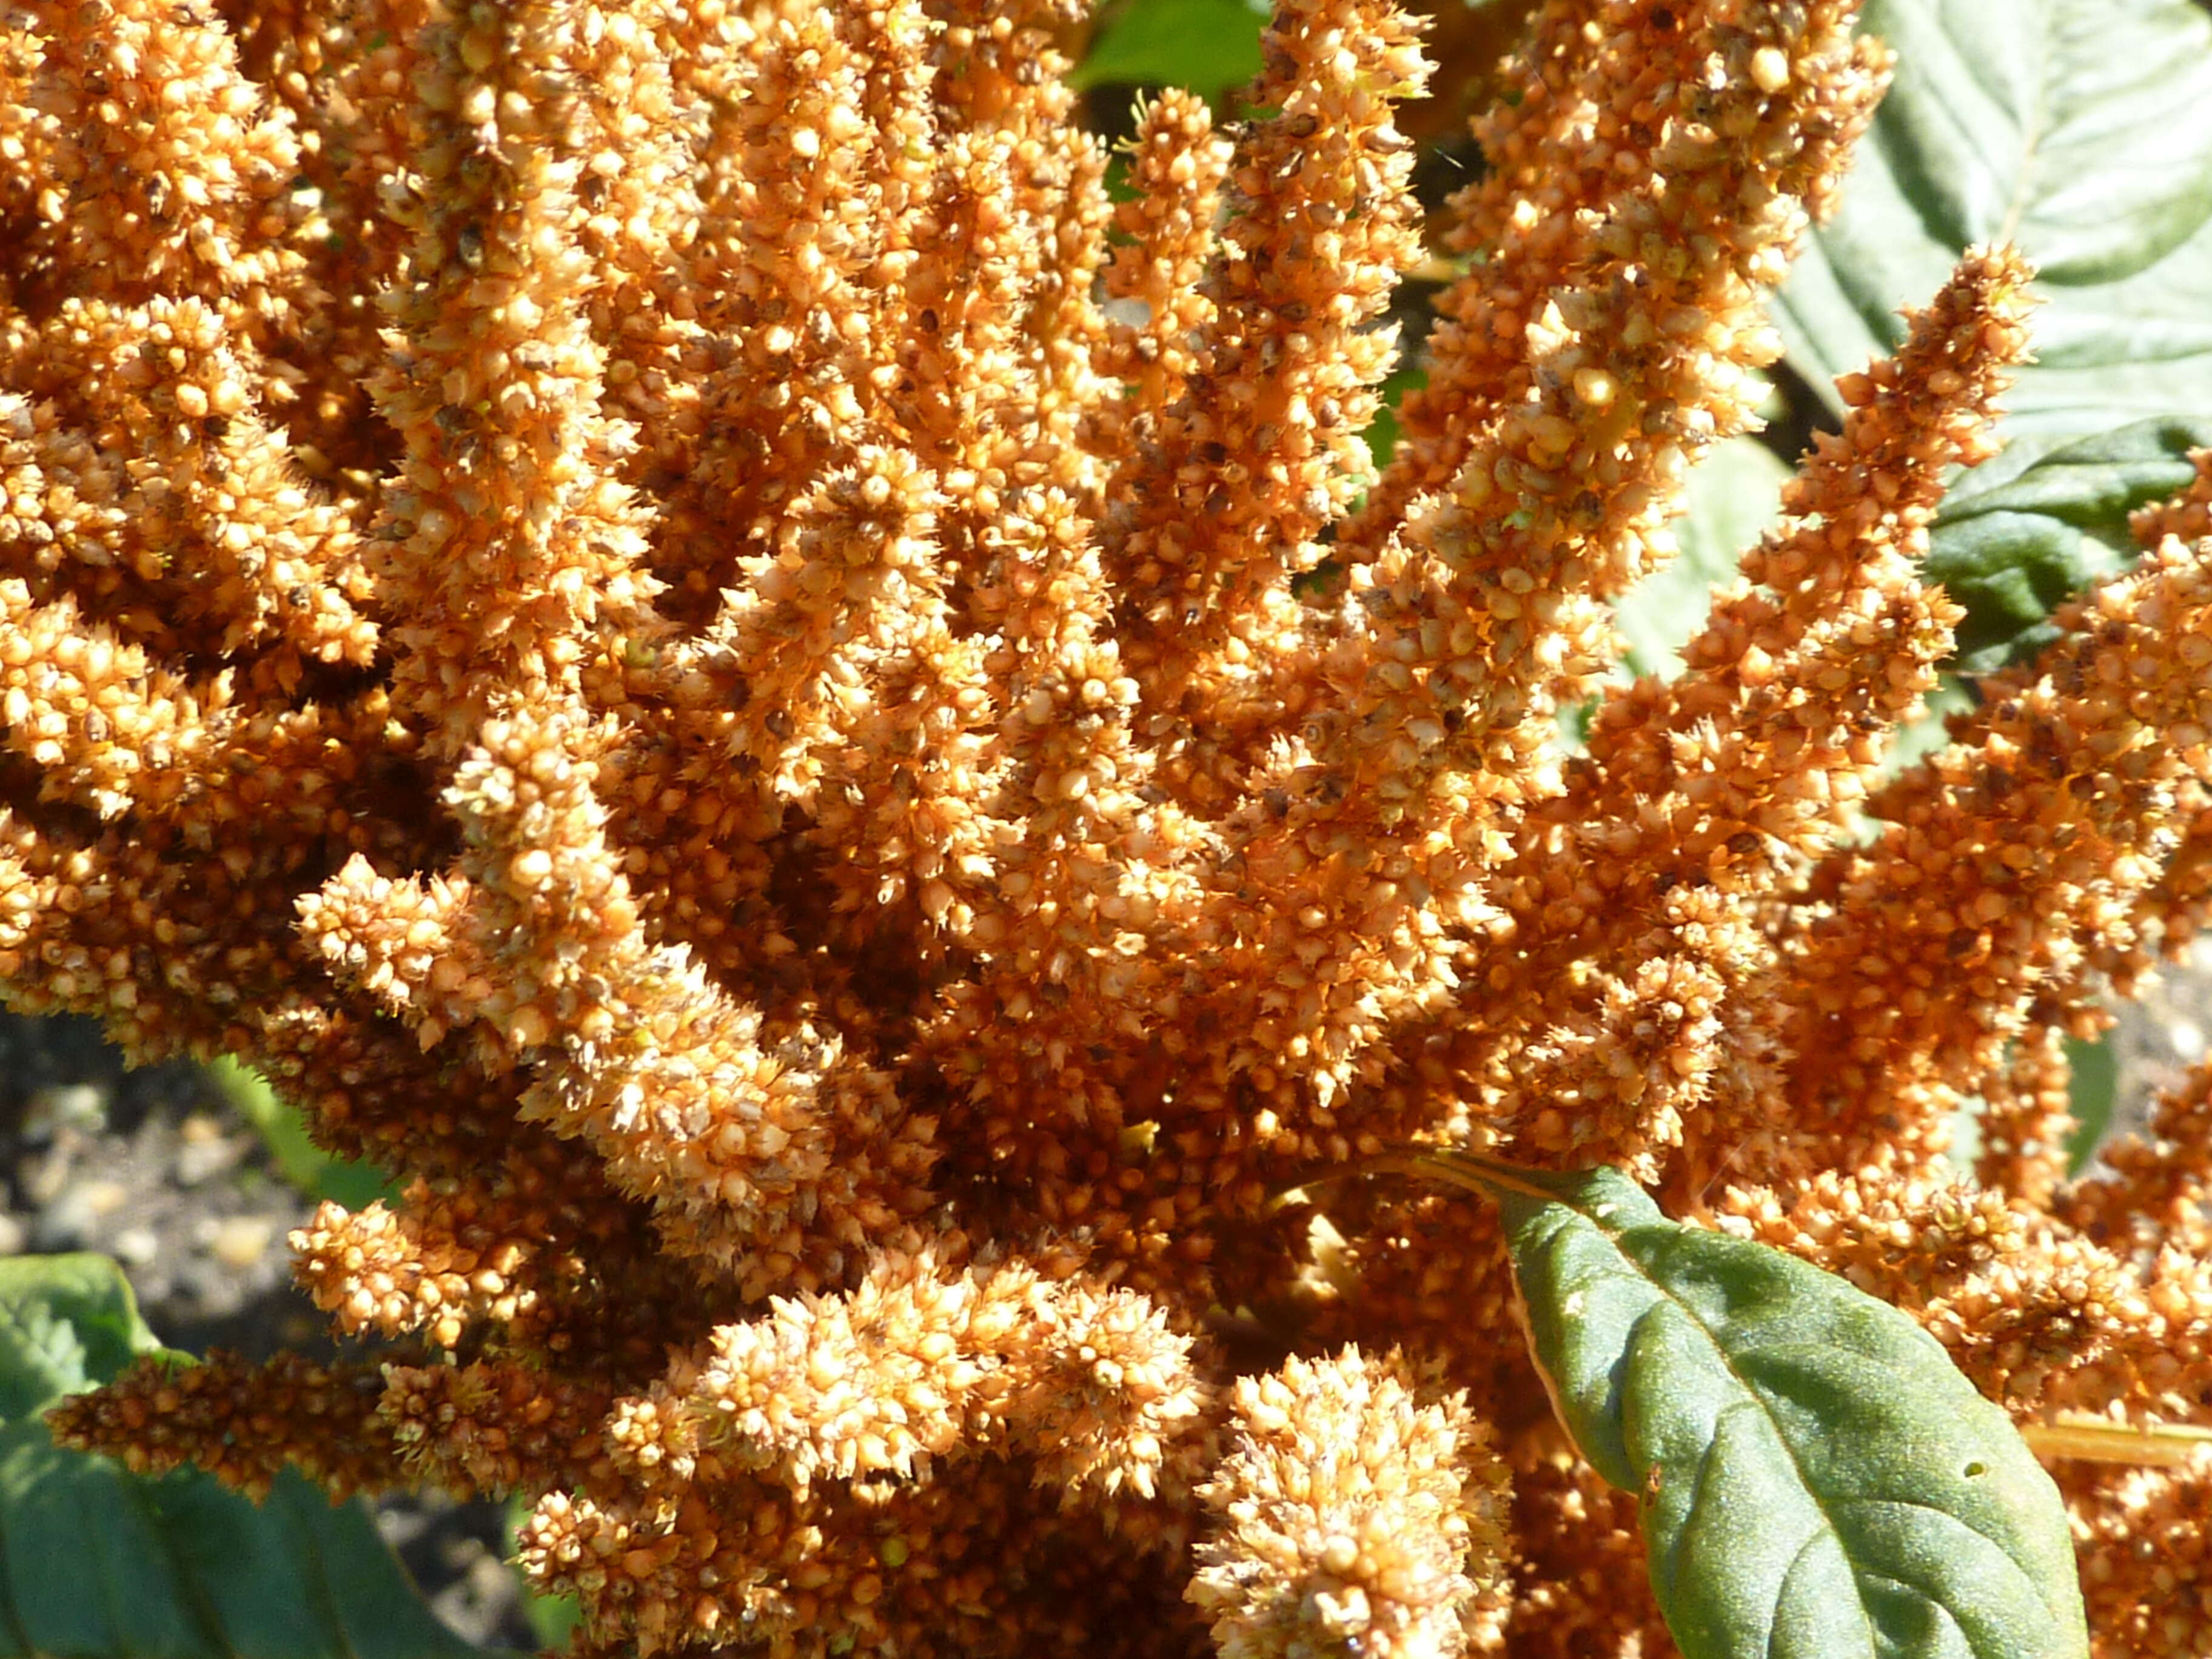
x: 668, y: 619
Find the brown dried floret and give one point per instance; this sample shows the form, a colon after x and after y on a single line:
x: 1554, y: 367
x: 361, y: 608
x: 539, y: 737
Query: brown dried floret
x: 243, y: 1422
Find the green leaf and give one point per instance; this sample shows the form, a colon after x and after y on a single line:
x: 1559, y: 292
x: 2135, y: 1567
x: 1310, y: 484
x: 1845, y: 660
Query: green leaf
x: 1818, y: 1482
x: 2092, y: 1090
x: 283, y: 1130
x: 65, y: 1321
x: 2080, y: 131
x: 1206, y: 46
x: 2013, y: 538
x: 97, y: 1563
x: 1734, y: 493
x: 553, y: 1619
x: 1381, y: 434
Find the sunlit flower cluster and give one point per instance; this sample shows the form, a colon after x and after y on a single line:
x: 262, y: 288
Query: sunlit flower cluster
x: 826, y: 738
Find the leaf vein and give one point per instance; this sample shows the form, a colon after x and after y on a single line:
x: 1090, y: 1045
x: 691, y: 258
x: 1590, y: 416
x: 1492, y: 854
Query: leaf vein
x: 1788, y: 1573
x: 1961, y: 1522
x: 1753, y: 1395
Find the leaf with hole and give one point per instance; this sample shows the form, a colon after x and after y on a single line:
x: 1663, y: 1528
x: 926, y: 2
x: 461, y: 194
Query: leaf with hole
x: 1820, y: 1480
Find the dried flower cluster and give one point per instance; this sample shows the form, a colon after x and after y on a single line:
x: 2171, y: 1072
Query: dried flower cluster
x: 670, y: 618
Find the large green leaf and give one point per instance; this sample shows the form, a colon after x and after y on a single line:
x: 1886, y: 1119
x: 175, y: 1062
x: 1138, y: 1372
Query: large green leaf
x: 1818, y: 1481
x: 1735, y: 494
x: 1206, y: 46
x: 2015, y: 537
x: 2080, y: 131
x: 98, y: 1564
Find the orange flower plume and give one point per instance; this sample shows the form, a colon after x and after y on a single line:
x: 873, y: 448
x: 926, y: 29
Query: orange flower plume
x: 826, y: 740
